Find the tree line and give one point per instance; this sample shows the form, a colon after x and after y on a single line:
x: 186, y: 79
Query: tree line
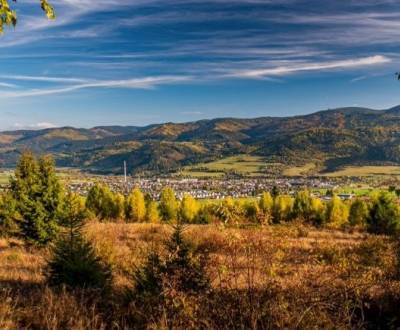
x: 36, y: 204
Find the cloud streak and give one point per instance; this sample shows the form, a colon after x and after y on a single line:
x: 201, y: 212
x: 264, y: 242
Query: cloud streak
x: 135, y: 83
x: 302, y: 67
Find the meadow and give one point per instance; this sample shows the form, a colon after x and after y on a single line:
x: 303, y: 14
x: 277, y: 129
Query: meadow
x: 308, y: 168
x: 365, y: 171
x: 284, y: 276
x: 241, y: 164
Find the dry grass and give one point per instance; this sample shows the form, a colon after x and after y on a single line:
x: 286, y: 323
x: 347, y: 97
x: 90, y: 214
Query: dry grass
x: 288, y: 276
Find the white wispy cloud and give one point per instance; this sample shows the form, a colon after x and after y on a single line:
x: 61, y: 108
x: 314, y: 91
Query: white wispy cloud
x: 319, y: 66
x: 44, y: 79
x: 7, y: 85
x: 134, y: 83
x: 36, y: 126
x: 192, y: 113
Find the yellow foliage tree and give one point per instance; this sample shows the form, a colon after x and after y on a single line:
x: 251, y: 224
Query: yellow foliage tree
x: 152, y: 213
x: 135, y: 206
x: 8, y: 16
x: 168, y: 205
x: 266, y: 203
x: 337, y: 212
x: 188, y: 209
x: 118, y: 206
x: 282, y: 208
x: 317, y: 211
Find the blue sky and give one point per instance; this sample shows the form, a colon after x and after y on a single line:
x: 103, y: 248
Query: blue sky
x: 135, y: 62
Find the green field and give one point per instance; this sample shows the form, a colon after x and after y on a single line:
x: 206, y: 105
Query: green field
x: 4, y: 176
x: 365, y: 171
x: 299, y: 170
x: 242, y: 164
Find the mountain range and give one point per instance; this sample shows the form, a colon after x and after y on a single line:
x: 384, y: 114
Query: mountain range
x: 331, y: 138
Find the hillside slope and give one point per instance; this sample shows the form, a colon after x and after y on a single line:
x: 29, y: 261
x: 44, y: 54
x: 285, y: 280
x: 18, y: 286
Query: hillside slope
x: 332, y: 138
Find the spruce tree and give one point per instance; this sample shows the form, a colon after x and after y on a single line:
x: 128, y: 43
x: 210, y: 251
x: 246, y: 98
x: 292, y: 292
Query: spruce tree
x: 74, y: 261
x: 38, y: 196
x: 9, y: 218
x: 384, y: 215
x: 182, y: 269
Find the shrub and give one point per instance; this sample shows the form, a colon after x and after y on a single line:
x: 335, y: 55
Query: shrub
x: 358, y: 213
x: 302, y: 206
x: 384, y: 215
x: 282, y: 208
x: 228, y: 211
x: 74, y: 262
x: 206, y: 214
x: 252, y: 212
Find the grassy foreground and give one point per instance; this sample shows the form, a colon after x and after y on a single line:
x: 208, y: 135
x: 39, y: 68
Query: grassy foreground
x: 283, y: 276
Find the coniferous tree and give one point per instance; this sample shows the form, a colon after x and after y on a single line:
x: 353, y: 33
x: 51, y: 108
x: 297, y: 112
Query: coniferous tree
x: 74, y: 261
x: 38, y: 196
x: 384, y: 215
x: 9, y: 217
x: 182, y: 269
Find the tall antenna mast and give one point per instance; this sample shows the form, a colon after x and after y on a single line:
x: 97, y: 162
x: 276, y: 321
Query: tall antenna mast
x: 125, y: 171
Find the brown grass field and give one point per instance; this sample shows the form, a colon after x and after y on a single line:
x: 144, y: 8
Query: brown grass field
x: 284, y: 276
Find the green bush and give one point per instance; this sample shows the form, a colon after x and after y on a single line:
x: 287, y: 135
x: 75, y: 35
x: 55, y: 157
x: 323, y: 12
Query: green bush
x: 384, y: 215
x: 358, y: 213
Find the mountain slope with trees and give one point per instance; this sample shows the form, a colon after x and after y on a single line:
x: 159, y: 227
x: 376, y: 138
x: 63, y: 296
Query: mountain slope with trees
x: 333, y: 138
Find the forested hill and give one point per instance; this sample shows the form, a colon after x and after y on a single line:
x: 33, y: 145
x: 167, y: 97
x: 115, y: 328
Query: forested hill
x: 332, y: 138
